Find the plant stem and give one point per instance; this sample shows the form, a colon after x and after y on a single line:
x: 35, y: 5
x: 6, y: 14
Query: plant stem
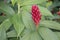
x: 18, y: 8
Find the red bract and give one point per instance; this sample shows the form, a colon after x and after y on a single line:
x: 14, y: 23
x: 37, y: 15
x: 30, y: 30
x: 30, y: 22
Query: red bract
x: 58, y: 13
x: 36, y: 15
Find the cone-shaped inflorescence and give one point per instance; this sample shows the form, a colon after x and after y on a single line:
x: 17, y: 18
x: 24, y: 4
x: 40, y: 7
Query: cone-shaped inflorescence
x: 36, y: 15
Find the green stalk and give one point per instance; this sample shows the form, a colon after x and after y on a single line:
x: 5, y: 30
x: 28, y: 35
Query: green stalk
x: 18, y: 8
x: 18, y: 13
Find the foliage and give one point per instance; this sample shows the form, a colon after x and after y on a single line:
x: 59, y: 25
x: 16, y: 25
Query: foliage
x: 16, y: 22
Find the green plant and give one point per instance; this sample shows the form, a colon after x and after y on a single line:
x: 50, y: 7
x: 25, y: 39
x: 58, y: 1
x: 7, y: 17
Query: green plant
x: 19, y: 25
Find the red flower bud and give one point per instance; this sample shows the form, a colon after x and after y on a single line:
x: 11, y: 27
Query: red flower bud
x: 58, y: 13
x: 36, y: 15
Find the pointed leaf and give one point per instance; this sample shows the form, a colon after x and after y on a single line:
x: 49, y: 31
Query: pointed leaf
x: 31, y: 36
x: 27, y: 20
x: 45, y: 12
x: 12, y: 34
x: 2, y: 18
x: 18, y: 24
x: 47, y: 34
x: 58, y: 34
x: 35, y: 36
x: 6, y: 24
x: 6, y: 9
x: 31, y: 2
x: 26, y: 37
x: 2, y: 34
x: 13, y: 2
x: 50, y: 24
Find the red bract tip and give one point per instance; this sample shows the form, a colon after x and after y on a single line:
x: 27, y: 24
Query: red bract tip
x: 36, y: 15
x: 58, y: 13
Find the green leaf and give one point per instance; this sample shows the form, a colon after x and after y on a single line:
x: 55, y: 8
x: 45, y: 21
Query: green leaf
x: 31, y: 2
x: 48, y: 4
x: 2, y: 18
x: 27, y: 20
x: 35, y: 36
x: 31, y: 36
x: 26, y: 31
x: 13, y: 2
x: 50, y: 24
x: 45, y: 12
x: 2, y: 34
x: 55, y: 4
x: 6, y: 24
x: 12, y: 34
x: 18, y: 24
x: 58, y: 34
x: 27, y: 8
x: 47, y: 34
x: 6, y: 9
x: 26, y: 36
x: 13, y: 38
